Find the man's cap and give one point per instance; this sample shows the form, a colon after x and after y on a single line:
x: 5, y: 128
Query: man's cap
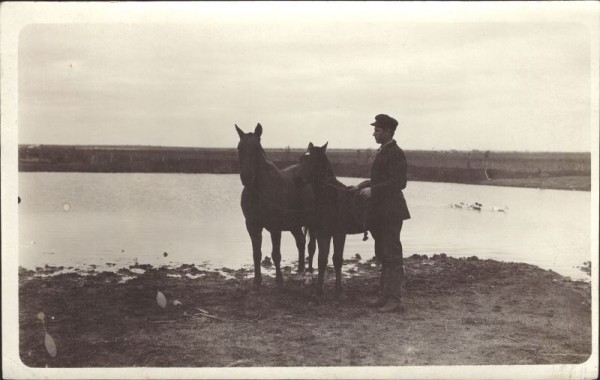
x: 386, y: 122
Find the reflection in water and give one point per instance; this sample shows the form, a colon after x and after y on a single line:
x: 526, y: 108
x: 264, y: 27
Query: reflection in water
x: 80, y: 219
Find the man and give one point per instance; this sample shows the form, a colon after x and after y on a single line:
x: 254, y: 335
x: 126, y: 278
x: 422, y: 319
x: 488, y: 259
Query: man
x: 387, y: 211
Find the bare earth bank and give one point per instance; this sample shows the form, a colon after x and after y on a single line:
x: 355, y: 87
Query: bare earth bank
x: 579, y: 183
x: 456, y: 311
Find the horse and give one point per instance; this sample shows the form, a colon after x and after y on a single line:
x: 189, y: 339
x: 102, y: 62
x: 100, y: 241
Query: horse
x: 272, y: 199
x: 339, y: 211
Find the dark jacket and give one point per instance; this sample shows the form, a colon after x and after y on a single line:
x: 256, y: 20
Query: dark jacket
x: 388, y: 179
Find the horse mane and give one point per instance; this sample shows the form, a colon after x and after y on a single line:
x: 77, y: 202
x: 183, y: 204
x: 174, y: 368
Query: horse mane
x: 330, y: 174
x: 269, y: 163
x: 274, y: 169
x: 331, y: 177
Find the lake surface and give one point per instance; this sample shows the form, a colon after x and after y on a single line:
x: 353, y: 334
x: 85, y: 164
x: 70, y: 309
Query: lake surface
x: 85, y: 219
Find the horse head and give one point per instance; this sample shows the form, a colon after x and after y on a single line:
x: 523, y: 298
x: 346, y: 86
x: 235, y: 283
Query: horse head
x: 314, y: 164
x: 250, y: 152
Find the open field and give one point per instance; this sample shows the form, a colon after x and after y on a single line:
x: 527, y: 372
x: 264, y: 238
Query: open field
x: 541, y: 169
x: 456, y: 311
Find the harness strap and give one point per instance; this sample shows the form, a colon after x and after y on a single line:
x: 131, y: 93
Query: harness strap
x: 267, y: 201
x: 363, y: 222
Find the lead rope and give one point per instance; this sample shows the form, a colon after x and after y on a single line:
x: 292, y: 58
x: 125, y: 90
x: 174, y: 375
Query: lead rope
x: 364, y: 221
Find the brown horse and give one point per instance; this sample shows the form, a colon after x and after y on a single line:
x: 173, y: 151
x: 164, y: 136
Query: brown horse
x: 339, y: 211
x: 273, y: 199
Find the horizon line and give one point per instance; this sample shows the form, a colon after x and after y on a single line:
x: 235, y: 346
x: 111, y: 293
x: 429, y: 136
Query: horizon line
x: 296, y: 148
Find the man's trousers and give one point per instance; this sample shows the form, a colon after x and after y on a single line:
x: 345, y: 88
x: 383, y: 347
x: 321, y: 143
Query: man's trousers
x: 388, y: 250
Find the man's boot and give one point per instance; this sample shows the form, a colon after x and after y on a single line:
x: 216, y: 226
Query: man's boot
x: 393, y: 288
x: 382, y: 297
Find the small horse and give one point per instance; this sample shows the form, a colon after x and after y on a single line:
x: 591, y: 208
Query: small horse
x: 273, y: 199
x: 339, y: 211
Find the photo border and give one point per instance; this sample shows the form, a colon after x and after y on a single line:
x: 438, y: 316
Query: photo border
x: 14, y: 16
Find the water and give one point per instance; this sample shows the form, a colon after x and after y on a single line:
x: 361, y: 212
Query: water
x: 84, y: 219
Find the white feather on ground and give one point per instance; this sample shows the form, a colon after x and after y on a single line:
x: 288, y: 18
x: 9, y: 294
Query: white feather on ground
x: 50, y: 345
x: 161, y: 299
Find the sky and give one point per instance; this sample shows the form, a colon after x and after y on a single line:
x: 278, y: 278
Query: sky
x: 467, y: 84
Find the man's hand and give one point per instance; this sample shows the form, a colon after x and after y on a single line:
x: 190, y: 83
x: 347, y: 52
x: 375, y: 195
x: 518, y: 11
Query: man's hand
x: 366, y: 193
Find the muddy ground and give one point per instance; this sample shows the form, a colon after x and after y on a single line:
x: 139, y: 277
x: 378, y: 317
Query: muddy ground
x: 456, y: 311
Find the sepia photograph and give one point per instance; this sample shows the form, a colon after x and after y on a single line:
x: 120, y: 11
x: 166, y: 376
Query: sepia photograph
x: 381, y: 190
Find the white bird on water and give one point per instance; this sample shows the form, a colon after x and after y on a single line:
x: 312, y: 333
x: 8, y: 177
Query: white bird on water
x: 500, y: 209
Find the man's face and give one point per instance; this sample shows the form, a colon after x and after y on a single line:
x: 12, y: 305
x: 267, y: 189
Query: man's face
x: 381, y: 135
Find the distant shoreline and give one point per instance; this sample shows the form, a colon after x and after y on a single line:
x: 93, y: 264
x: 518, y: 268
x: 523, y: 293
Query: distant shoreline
x: 549, y: 170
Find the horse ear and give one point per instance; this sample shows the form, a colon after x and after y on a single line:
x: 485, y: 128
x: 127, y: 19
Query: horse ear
x: 239, y: 131
x: 310, y: 145
x: 258, y: 130
x: 325, y: 146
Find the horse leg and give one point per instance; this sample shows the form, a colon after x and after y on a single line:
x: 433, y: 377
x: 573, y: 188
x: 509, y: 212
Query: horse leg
x: 255, y: 233
x: 312, y: 247
x: 324, y: 243
x: 276, y: 256
x: 300, y: 244
x: 339, y: 240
